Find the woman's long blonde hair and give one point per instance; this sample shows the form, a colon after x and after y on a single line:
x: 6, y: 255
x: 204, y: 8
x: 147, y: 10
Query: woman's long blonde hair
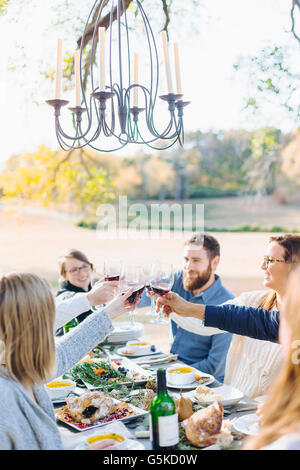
x: 281, y: 413
x: 27, y: 314
x: 291, y: 245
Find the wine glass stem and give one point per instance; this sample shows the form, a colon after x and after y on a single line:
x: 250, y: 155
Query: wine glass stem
x: 160, y: 314
x: 131, y: 316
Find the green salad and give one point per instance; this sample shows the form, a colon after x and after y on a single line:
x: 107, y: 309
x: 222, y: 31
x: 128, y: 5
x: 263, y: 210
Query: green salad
x: 98, y: 374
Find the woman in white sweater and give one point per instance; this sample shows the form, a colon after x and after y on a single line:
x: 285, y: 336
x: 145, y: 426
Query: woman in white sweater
x: 280, y: 421
x: 252, y: 364
x: 31, y: 357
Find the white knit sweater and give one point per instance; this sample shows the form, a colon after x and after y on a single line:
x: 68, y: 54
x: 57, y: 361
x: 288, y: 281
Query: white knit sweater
x: 252, y: 364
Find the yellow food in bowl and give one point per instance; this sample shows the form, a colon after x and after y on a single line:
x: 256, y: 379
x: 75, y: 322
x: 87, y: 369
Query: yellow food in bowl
x: 58, y: 383
x: 139, y: 344
x: 101, y: 437
x: 181, y: 370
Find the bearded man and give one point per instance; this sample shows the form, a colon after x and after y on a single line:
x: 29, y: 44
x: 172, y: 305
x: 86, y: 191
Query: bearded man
x: 198, y: 282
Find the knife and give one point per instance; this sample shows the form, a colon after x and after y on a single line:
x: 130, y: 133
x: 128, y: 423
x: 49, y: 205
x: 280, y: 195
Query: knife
x: 158, y: 360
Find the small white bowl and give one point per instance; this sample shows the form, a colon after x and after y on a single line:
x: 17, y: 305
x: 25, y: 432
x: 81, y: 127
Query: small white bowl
x: 139, y: 347
x: 180, y: 375
x: 60, y: 388
x: 121, y: 443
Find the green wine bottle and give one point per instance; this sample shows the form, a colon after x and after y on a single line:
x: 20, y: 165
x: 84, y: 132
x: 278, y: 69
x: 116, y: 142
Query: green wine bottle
x: 71, y: 324
x: 164, y: 430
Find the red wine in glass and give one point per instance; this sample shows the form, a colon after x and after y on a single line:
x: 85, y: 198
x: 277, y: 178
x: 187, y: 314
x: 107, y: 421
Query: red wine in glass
x: 112, y: 278
x: 136, y: 293
x: 159, y: 290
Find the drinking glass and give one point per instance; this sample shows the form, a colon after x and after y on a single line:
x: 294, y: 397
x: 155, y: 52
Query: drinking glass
x: 161, y: 283
x: 94, y: 281
x: 148, y: 272
x: 132, y: 276
x: 112, y: 269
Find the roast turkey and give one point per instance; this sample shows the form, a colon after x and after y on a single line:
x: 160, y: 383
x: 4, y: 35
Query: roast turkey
x: 90, y: 407
x: 204, y: 426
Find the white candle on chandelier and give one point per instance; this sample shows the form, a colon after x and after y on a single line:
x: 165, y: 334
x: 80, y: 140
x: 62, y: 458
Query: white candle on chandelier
x: 77, y: 77
x: 58, y: 69
x: 135, y: 79
x: 102, y: 58
x: 167, y: 61
x: 177, y: 69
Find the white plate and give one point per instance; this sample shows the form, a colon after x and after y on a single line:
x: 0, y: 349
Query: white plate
x: 124, y: 332
x: 230, y: 395
x: 247, y: 424
x: 58, y: 400
x: 195, y: 384
x: 119, y: 351
x: 131, y: 445
x: 138, y: 413
x: 63, y: 399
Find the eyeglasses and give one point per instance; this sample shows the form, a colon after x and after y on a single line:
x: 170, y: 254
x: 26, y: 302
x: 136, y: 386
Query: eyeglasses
x: 76, y: 271
x: 268, y: 260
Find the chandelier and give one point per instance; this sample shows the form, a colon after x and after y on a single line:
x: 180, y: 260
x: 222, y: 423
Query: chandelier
x: 119, y: 109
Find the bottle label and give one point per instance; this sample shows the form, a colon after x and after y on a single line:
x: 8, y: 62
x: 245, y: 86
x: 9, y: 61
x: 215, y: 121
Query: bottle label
x: 168, y: 430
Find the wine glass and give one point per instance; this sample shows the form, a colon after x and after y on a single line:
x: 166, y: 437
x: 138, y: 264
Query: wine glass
x: 95, y: 279
x: 148, y: 272
x: 161, y: 283
x: 132, y: 276
x: 112, y: 269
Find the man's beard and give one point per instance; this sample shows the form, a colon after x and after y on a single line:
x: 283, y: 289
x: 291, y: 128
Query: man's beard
x: 197, y: 282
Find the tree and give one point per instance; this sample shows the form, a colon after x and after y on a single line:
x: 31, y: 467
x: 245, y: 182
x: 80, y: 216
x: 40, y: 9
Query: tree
x: 264, y: 165
x: 272, y: 82
x: 45, y: 178
x: 291, y: 162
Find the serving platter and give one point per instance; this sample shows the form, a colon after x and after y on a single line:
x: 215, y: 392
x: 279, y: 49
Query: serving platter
x: 83, y: 427
x: 142, y: 375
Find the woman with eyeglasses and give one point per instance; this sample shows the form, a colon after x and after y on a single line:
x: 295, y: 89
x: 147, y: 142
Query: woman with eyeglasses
x: 251, y: 365
x: 76, y: 278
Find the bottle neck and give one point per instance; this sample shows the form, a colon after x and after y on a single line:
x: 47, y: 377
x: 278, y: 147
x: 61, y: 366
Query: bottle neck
x: 161, y: 382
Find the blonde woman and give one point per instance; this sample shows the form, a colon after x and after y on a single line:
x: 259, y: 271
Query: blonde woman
x: 280, y: 421
x: 30, y: 358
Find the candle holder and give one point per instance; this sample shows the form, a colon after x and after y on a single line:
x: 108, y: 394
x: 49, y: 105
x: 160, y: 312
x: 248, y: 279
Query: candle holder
x: 180, y: 105
x: 135, y: 111
x: 109, y: 113
x: 57, y: 104
x: 171, y: 98
x: 102, y: 96
x: 78, y: 112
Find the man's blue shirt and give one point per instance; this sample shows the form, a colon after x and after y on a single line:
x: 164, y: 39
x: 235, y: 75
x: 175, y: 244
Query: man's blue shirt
x: 205, y: 353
